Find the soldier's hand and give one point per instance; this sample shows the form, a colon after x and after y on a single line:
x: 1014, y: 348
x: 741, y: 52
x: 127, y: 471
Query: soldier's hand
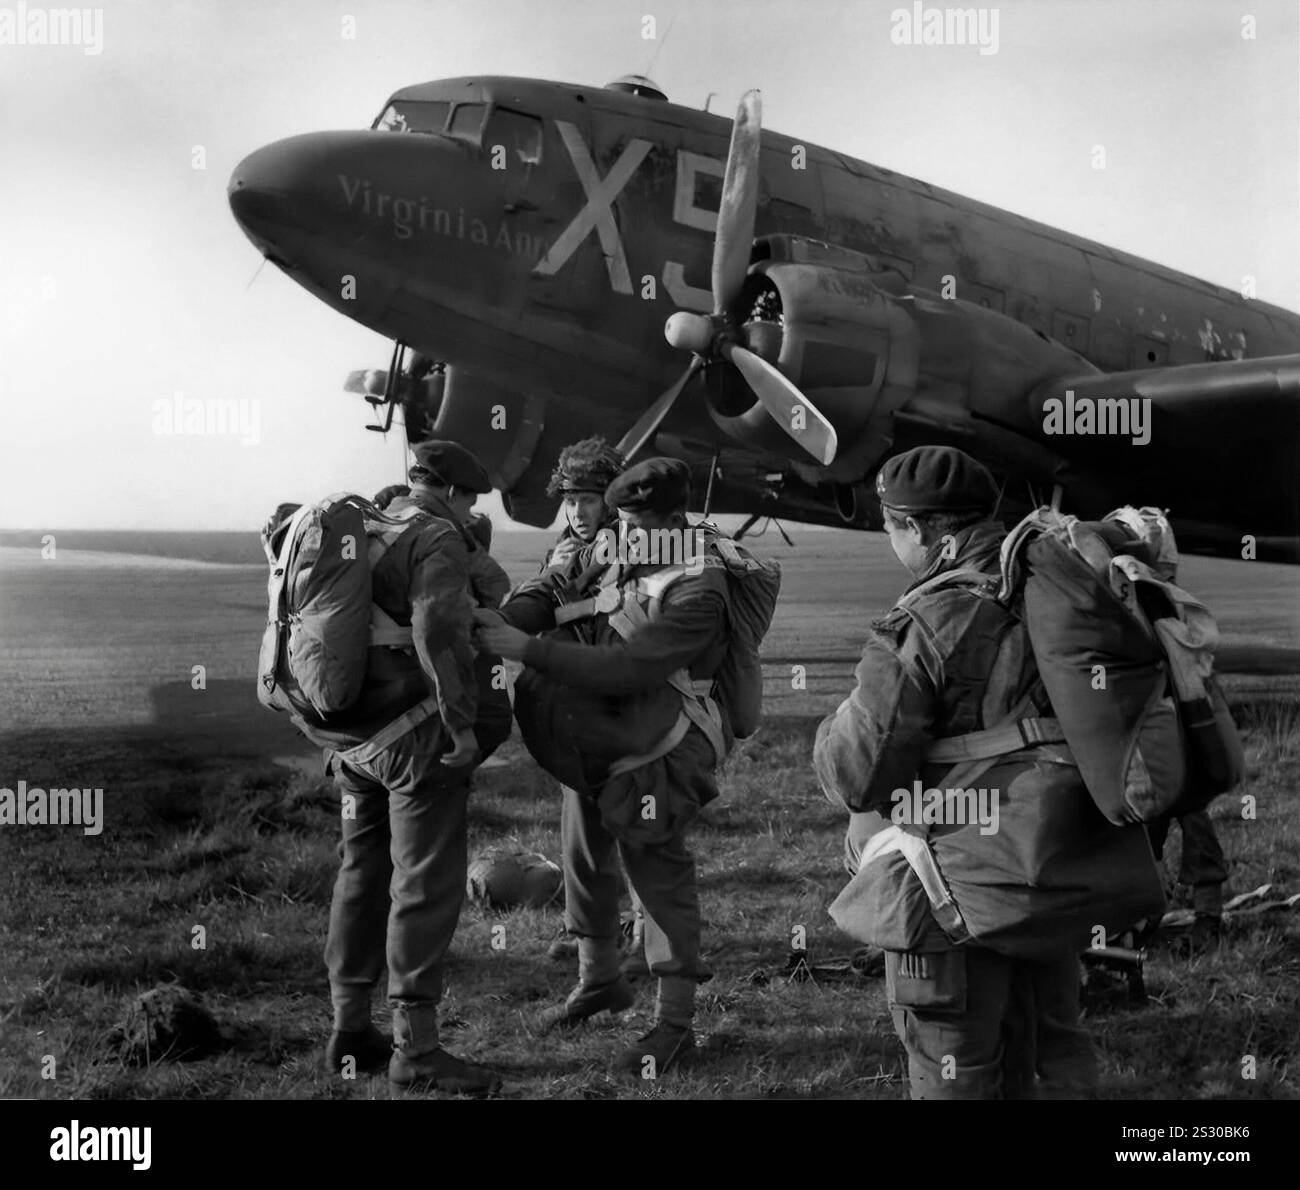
x: 464, y: 749
x: 502, y: 639
x: 487, y: 616
x: 564, y: 553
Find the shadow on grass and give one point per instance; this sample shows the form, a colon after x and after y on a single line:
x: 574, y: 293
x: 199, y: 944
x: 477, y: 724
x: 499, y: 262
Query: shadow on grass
x: 236, y: 968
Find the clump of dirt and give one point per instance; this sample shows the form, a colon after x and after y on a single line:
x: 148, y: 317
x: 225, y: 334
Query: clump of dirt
x: 167, y: 1023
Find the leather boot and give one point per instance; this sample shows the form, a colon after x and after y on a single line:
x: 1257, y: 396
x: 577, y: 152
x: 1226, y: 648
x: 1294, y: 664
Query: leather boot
x: 368, y: 1048
x: 586, y: 1001
x: 438, y: 1070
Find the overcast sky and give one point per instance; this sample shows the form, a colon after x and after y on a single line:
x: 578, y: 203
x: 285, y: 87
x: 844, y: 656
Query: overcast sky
x: 124, y: 279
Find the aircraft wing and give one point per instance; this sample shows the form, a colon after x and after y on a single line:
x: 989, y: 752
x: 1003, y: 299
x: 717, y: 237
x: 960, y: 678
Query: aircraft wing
x: 1222, y: 440
x: 1223, y: 391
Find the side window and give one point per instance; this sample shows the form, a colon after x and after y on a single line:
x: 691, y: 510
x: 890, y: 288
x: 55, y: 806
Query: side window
x: 467, y: 122
x: 1145, y: 352
x: 521, y: 135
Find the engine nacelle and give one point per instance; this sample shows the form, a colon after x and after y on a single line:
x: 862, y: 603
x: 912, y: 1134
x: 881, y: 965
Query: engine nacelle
x: 832, y: 320
x: 518, y: 436
x: 506, y: 430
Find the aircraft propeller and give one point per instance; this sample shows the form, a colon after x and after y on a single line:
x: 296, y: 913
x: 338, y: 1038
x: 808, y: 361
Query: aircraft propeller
x: 715, y: 336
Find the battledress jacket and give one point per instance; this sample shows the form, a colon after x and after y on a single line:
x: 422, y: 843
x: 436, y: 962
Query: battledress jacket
x: 587, y: 697
x: 488, y: 586
x: 946, y: 663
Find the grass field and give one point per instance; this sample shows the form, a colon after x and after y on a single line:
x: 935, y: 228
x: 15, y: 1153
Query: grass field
x: 203, y: 827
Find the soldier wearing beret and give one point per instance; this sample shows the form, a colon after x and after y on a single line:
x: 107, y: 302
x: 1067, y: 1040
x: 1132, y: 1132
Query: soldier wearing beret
x: 976, y: 1023
x: 608, y: 703
x: 403, y: 773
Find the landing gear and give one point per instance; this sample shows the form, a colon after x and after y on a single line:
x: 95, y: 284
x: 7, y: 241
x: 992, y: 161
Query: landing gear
x: 754, y: 519
x: 708, y: 492
x: 389, y: 398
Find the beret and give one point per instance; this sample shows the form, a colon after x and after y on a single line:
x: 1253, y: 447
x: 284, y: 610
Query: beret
x: 656, y: 485
x: 451, y: 463
x: 936, y: 479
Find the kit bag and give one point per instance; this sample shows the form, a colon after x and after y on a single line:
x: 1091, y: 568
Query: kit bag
x: 321, y: 619
x: 1126, y: 658
x: 753, y: 586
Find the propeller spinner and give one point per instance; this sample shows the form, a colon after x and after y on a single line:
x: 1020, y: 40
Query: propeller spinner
x: 715, y: 337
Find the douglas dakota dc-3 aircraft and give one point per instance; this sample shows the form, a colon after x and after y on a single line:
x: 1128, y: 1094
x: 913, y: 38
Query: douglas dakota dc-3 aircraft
x: 567, y: 260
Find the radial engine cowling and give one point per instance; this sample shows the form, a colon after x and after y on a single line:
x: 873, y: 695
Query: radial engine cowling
x: 832, y: 321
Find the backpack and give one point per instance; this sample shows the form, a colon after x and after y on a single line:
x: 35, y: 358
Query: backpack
x: 321, y: 620
x: 1126, y: 658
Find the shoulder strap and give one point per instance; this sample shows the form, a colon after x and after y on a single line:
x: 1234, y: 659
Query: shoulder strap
x: 388, y: 530
x: 975, y: 752
x: 734, y: 556
x: 384, y: 630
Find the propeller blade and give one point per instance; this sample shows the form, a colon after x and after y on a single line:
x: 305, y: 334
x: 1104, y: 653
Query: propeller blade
x: 646, y: 425
x: 781, y: 399
x: 734, y: 239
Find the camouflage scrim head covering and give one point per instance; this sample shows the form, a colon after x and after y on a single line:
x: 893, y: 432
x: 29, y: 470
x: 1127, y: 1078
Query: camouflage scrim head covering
x: 586, y: 466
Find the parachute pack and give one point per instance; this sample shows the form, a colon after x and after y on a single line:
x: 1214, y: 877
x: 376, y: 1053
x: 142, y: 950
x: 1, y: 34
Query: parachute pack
x: 1126, y: 658
x: 584, y: 739
x: 321, y: 620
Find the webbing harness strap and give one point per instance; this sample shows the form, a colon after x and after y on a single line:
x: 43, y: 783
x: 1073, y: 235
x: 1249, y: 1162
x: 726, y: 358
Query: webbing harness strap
x: 702, y: 710
x: 995, y: 741
x: 698, y: 707
x: 676, y: 733
x: 605, y: 600
x: 385, y: 737
x: 387, y: 632
x: 609, y: 596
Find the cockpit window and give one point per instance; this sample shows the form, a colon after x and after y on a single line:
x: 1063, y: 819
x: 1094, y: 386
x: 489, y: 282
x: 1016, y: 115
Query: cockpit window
x: 411, y: 115
x: 520, y: 135
x: 467, y: 121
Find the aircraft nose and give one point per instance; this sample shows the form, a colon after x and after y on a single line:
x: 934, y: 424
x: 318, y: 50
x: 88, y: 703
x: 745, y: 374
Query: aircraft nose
x: 250, y: 183
x: 272, y: 191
